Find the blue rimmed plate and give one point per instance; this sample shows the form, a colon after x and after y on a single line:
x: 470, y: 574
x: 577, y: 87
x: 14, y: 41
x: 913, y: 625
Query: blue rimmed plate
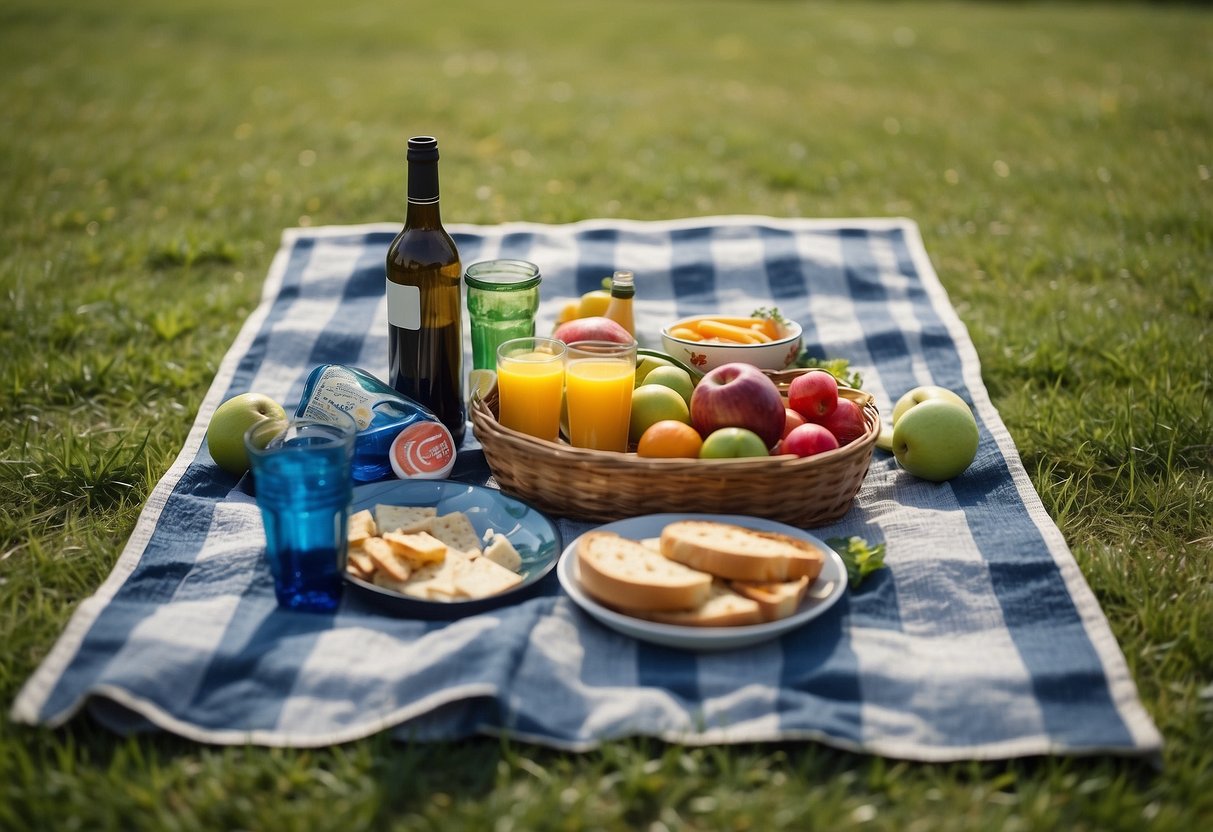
x: 823, y: 593
x: 536, y: 538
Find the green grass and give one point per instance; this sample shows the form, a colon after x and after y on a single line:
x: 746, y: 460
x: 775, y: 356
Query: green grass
x: 1056, y: 157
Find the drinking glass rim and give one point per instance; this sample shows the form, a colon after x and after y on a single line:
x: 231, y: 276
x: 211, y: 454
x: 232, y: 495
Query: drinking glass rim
x: 346, y: 429
x: 538, y: 341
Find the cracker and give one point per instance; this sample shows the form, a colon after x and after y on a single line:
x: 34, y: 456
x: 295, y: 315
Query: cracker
x: 384, y: 556
x: 501, y: 552
x: 456, y: 531
x: 483, y: 577
x: 404, y: 518
x: 418, y: 548
x: 360, y: 563
x: 436, y: 581
x: 361, y: 526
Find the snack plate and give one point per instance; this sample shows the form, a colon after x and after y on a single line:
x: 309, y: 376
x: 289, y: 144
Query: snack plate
x: 534, y: 536
x: 823, y: 593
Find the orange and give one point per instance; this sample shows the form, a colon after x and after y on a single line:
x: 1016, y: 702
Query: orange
x: 669, y: 438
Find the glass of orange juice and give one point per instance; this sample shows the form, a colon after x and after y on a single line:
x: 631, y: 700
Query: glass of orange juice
x: 530, y: 385
x: 599, y: 376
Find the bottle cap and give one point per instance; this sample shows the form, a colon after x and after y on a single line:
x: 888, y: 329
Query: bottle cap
x: 623, y: 278
x: 423, y: 149
x: 424, y: 450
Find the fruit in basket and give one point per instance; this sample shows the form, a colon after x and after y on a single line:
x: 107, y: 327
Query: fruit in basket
x: 924, y: 393
x: 738, y: 395
x: 728, y: 443
x: 846, y: 422
x: 592, y: 329
x: 813, y: 395
x: 935, y: 439
x: 652, y: 403
x: 646, y: 364
x: 791, y: 421
x: 669, y: 439
x: 225, y: 432
x: 675, y: 378
x: 808, y: 440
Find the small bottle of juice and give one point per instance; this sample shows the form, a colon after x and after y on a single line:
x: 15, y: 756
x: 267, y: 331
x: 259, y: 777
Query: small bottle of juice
x: 619, y: 310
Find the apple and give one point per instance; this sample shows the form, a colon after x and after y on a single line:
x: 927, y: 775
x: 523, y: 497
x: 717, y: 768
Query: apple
x: 935, y: 439
x: 225, y: 433
x: 813, y: 395
x: 675, y: 378
x: 738, y: 395
x: 921, y: 394
x: 646, y: 364
x: 592, y: 329
x: 728, y: 443
x: 791, y: 420
x: 846, y: 422
x: 653, y: 403
x: 884, y: 439
x: 809, y: 439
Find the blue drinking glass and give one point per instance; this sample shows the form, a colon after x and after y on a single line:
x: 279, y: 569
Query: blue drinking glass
x: 303, y: 484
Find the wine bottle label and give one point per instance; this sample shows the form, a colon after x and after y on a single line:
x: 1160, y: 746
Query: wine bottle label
x: 404, y: 306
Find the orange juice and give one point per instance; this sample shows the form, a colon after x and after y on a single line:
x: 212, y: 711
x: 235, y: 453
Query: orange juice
x: 600, y: 402
x: 530, y: 386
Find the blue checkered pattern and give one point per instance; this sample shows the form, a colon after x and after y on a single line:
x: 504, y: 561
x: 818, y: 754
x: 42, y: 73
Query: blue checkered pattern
x: 981, y: 639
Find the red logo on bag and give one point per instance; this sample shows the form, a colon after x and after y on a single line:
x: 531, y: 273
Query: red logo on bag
x: 424, y: 449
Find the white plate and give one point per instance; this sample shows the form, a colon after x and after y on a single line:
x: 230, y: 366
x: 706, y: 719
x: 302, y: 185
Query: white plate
x: 823, y: 593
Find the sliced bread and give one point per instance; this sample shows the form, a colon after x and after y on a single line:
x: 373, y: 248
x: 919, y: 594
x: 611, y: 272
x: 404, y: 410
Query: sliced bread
x: 731, y: 551
x: 776, y: 600
x: 723, y: 608
x: 622, y: 573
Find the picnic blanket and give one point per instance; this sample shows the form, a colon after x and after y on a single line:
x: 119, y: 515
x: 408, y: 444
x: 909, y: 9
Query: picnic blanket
x: 980, y: 640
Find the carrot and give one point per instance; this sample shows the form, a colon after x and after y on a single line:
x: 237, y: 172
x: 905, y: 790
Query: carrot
x: 686, y: 333
x: 730, y: 332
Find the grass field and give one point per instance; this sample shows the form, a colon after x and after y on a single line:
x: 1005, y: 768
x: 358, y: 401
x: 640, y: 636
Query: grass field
x: 1058, y: 159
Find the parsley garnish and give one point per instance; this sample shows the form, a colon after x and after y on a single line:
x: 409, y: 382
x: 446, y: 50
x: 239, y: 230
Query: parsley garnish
x: 861, y: 558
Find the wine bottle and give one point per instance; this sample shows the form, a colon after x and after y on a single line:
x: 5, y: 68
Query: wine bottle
x: 425, y: 324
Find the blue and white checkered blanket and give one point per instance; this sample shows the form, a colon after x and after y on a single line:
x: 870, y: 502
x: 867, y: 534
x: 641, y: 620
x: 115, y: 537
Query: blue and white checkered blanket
x: 981, y: 639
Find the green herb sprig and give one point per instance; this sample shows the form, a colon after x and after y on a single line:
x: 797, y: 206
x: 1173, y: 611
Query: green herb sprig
x: 861, y: 558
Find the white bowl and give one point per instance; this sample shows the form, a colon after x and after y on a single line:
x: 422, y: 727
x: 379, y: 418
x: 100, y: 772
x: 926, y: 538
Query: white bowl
x: 705, y: 355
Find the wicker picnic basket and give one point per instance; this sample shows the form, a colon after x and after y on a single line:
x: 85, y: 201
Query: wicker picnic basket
x: 601, y: 486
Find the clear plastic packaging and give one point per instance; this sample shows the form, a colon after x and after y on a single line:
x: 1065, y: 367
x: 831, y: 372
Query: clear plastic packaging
x: 396, y: 435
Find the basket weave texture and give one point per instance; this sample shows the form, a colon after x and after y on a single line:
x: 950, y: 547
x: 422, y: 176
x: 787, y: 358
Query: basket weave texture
x: 601, y: 486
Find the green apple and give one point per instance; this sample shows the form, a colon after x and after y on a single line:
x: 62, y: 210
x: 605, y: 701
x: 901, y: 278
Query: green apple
x: 675, y: 378
x: 225, y: 433
x: 935, y: 440
x: 922, y: 394
x: 884, y: 439
x: 646, y: 364
x: 726, y: 443
x: 652, y: 403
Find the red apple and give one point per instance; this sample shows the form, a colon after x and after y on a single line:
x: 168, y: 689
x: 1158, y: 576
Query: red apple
x: 791, y: 419
x: 813, y: 395
x: 592, y: 329
x: 846, y: 422
x: 809, y: 439
x: 739, y: 396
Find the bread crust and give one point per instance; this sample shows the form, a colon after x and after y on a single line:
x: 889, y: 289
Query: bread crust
x: 740, y: 554
x: 624, y: 574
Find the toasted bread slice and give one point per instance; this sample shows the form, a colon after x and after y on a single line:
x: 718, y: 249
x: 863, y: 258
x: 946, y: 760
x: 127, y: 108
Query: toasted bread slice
x: 625, y: 574
x: 737, y: 553
x: 723, y: 608
x: 776, y: 600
